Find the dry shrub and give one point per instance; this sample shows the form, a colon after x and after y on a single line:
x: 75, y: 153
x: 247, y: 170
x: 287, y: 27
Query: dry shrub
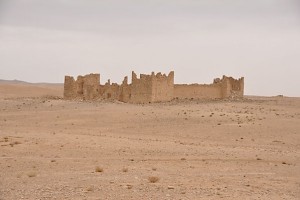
x: 17, y: 142
x: 98, y: 169
x: 125, y: 169
x: 153, y: 179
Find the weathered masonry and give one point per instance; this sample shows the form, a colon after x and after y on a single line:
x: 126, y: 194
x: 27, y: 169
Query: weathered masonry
x: 150, y: 88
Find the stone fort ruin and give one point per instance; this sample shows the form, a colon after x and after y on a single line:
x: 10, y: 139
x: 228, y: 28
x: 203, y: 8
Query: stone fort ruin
x: 150, y: 88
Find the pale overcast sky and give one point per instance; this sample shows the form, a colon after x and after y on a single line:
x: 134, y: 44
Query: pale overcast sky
x: 41, y: 41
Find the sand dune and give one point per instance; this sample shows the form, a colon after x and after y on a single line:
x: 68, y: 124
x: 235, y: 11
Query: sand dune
x: 56, y: 149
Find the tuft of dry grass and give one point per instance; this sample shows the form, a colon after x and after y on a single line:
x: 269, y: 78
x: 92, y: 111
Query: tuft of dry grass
x: 153, y: 179
x: 98, y: 169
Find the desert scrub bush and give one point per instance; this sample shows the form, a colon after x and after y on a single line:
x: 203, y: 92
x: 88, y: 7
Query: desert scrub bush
x: 153, y: 179
x: 98, y: 169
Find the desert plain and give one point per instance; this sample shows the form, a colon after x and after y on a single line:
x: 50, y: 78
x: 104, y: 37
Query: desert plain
x: 51, y: 148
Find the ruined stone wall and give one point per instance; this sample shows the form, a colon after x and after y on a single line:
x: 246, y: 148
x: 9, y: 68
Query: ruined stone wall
x: 125, y: 91
x: 197, y: 91
x: 150, y: 88
x: 90, y: 86
x: 85, y: 87
x: 111, y: 91
x: 221, y: 88
x: 70, y: 91
x: 232, y: 88
x: 141, y: 89
x: 79, y: 87
x: 162, y: 87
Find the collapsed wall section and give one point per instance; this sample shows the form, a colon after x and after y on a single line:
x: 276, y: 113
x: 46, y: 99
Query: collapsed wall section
x: 110, y: 91
x: 232, y: 88
x: 125, y: 91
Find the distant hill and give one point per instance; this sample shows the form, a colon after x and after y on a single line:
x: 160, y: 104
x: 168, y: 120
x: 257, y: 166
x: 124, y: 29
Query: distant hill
x: 13, y: 82
x: 17, y: 88
x: 17, y: 82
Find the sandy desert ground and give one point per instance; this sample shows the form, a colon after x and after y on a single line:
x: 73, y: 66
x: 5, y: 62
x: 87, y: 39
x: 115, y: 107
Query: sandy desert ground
x: 56, y: 149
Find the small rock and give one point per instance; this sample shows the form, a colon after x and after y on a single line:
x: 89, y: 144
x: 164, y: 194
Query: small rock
x: 171, y: 187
